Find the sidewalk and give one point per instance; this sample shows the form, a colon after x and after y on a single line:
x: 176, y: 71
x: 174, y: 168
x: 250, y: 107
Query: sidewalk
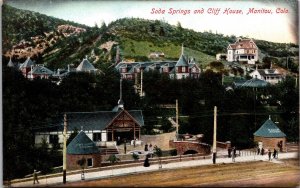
x: 137, y: 169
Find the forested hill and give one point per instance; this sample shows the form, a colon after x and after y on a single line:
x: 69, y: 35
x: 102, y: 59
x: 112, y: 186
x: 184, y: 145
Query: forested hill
x: 45, y: 41
x: 162, y: 34
x: 20, y: 25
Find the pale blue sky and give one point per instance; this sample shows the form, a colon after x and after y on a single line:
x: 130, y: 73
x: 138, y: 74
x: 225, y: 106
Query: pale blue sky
x: 271, y: 27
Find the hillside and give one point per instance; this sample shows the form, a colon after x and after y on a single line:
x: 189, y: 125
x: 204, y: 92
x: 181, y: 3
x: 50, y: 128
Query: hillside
x: 20, y: 25
x: 56, y: 42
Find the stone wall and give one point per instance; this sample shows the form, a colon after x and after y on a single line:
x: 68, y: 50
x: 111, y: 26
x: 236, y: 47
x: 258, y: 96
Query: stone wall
x: 184, y: 146
x: 72, y: 160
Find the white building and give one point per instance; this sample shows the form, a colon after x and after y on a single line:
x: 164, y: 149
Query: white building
x: 243, y: 50
x: 271, y: 76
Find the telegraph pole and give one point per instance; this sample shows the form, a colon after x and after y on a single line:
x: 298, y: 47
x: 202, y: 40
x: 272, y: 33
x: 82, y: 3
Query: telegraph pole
x: 177, y: 119
x: 65, y: 150
x: 215, y: 136
x: 141, y: 82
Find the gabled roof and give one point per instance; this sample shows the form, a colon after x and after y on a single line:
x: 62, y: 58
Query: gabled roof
x: 182, y: 61
x: 82, y: 144
x: 168, y: 65
x: 269, y: 129
x: 254, y: 82
x: 268, y: 72
x: 41, y: 70
x: 85, y: 65
x: 88, y: 121
x: 243, y: 44
x: 27, y: 63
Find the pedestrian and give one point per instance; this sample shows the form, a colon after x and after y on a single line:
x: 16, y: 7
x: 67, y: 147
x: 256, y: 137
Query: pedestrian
x: 146, y: 162
x: 125, y: 147
x: 35, y: 177
x: 262, y: 151
x: 269, y: 153
x: 258, y: 150
x: 150, y: 147
x: 232, y: 155
x: 146, y: 147
x: 229, y: 152
x: 234, y: 151
x: 274, y: 154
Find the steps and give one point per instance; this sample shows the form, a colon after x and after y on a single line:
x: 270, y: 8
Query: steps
x: 109, y: 151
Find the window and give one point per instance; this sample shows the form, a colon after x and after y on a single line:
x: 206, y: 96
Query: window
x: 96, y: 137
x: 252, y: 57
x: 183, y: 69
x: 53, y: 139
x: 123, y: 69
x: 90, y: 162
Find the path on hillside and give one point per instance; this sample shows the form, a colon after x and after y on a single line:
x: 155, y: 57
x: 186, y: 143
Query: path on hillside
x: 154, y: 167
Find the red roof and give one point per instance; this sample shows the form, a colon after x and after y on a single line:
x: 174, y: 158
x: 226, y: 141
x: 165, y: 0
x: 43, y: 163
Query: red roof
x: 243, y: 44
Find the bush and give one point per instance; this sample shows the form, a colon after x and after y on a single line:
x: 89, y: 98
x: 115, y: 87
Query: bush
x: 113, y: 158
x: 173, y: 152
x: 135, y: 157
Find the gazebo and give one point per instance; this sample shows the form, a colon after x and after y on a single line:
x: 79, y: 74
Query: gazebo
x: 83, y: 147
x: 269, y: 136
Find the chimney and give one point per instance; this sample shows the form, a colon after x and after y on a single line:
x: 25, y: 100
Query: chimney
x: 68, y: 67
x: 58, y: 71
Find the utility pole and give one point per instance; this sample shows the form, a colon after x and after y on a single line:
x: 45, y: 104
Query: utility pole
x: 65, y: 150
x: 215, y: 136
x: 177, y: 119
x: 141, y: 82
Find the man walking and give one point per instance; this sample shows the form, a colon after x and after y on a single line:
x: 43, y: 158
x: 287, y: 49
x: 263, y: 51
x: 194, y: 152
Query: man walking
x: 269, y: 153
x: 35, y: 177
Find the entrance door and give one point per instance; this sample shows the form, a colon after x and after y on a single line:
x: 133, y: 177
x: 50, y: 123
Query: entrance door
x: 122, y: 136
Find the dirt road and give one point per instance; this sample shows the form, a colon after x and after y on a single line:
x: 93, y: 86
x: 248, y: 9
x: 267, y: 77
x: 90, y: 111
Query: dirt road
x: 239, y: 174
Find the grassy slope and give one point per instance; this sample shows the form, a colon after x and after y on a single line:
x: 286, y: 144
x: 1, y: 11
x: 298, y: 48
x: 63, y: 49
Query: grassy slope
x: 171, y: 51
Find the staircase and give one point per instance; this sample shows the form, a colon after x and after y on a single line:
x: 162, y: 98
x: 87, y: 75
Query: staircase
x: 109, y: 151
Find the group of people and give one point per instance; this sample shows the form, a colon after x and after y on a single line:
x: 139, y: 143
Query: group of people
x: 275, y: 154
x: 149, y: 155
x: 148, y: 148
x: 262, y: 152
x: 232, y: 153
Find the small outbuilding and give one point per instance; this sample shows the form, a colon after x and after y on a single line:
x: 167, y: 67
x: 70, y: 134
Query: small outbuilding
x: 269, y: 136
x: 83, y: 147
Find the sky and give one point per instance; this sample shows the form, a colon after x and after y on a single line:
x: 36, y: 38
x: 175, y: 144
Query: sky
x: 275, y: 27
